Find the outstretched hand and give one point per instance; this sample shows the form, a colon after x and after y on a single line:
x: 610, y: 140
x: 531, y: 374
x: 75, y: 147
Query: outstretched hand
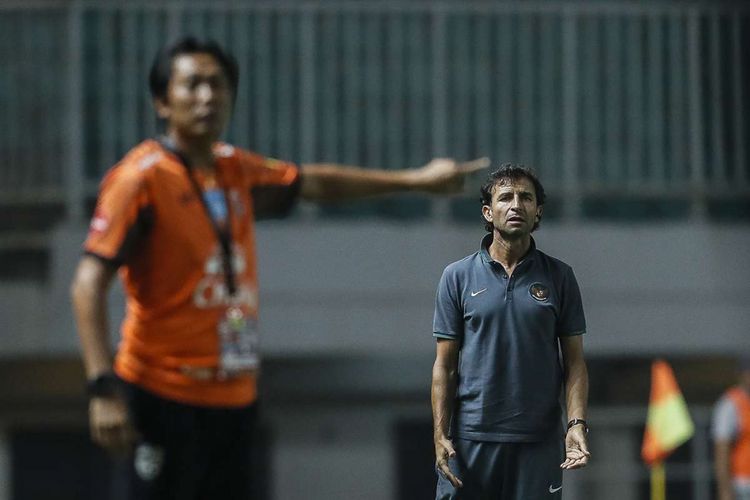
x: 576, y: 449
x: 445, y: 175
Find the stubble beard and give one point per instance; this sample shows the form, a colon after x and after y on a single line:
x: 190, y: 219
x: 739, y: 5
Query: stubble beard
x: 512, y: 235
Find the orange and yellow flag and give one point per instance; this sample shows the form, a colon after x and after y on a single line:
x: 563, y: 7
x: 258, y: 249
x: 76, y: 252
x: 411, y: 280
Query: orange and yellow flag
x: 668, y: 424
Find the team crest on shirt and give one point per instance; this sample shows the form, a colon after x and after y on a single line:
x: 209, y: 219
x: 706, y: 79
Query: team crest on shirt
x: 539, y: 292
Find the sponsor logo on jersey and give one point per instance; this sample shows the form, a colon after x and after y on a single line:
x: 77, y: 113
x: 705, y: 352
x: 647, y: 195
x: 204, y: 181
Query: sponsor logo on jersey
x: 212, y: 289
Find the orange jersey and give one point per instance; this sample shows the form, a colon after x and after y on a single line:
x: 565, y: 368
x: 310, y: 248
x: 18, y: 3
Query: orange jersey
x: 741, y: 448
x: 150, y: 221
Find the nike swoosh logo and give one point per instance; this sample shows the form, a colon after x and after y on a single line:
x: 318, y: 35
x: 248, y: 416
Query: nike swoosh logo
x: 554, y: 490
x: 474, y: 294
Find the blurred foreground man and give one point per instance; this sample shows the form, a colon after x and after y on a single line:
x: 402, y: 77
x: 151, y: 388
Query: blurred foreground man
x: 176, y: 216
x: 503, y: 315
x: 731, y: 433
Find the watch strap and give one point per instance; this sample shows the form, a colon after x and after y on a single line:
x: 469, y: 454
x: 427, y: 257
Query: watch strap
x: 104, y: 385
x: 578, y: 421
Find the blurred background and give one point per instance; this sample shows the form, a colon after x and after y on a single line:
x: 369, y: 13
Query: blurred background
x: 633, y: 113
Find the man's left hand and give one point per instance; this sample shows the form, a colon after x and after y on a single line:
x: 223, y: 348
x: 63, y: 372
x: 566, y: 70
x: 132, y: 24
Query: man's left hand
x: 576, y: 449
x: 445, y: 175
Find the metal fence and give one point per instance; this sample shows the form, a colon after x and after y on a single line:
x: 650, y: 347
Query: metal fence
x: 602, y: 98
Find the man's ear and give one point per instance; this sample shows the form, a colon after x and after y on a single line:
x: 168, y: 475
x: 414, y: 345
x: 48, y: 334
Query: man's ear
x: 487, y: 213
x: 539, y: 211
x: 161, y: 107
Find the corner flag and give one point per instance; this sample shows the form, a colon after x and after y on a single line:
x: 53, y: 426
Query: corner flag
x: 668, y: 424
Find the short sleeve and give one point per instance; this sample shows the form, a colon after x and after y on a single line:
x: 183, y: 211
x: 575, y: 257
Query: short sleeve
x: 448, y: 319
x: 724, y: 423
x: 571, y: 320
x: 274, y: 184
x: 262, y: 171
x: 121, y: 218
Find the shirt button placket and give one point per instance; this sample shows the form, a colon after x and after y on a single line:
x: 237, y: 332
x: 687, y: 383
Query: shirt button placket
x: 509, y: 290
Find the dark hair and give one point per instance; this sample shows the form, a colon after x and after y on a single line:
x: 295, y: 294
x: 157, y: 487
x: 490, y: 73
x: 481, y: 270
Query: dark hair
x: 510, y: 172
x: 161, y: 69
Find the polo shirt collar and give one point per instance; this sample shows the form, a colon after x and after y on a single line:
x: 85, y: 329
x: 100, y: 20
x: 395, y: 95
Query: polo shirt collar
x: 485, y: 250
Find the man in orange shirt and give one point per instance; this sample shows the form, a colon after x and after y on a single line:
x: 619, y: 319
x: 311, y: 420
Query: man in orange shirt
x: 175, y: 216
x: 731, y: 432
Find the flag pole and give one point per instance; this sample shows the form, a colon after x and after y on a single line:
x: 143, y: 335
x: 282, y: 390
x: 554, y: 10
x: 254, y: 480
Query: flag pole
x: 668, y: 425
x: 658, y: 482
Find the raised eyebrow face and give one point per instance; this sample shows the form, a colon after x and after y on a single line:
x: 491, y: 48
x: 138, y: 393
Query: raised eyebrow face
x: 507, y: 190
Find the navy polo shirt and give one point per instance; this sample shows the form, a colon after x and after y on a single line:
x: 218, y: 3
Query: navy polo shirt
x: 509, y: 376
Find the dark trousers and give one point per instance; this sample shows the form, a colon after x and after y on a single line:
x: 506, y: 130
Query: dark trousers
x: 188, y: 452
x: 505, y: 471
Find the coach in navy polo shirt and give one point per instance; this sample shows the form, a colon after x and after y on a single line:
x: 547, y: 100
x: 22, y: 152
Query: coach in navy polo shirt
x: 509, y: 323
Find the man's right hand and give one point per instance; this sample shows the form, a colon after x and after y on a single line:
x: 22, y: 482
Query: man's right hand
x: 110, y: 424
x: 443, y: 451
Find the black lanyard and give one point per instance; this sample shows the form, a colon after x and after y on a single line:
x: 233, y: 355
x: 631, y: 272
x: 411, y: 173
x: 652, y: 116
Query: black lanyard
x: 224, y: 235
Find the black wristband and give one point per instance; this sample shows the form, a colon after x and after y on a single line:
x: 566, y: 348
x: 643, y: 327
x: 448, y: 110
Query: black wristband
x: 103, y: 385
x: 578, y: 421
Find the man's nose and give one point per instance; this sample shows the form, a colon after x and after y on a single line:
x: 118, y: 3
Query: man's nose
x: 516, y: 201
x: 206, y: 92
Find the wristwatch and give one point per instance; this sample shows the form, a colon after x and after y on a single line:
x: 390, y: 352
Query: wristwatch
x: 103, y: 385
x: 578, y: 421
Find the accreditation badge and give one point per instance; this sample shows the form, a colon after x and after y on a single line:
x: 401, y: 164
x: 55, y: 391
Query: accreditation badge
x: 238, y: 338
